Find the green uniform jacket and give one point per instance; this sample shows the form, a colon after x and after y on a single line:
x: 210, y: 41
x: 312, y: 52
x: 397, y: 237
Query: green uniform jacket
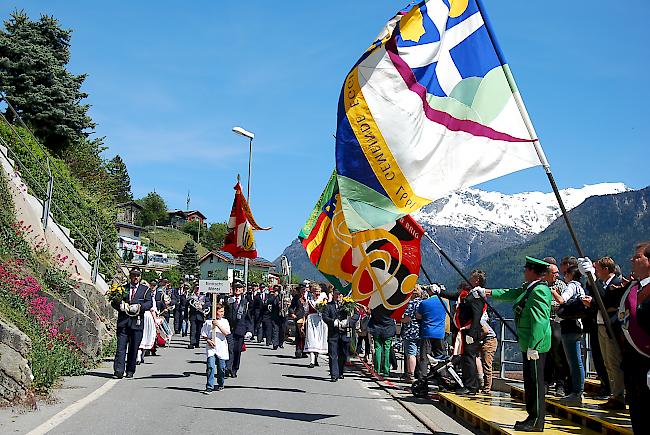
x: 534, y: 326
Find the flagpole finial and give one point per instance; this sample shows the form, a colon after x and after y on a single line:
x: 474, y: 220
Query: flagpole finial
x: 238, y: 178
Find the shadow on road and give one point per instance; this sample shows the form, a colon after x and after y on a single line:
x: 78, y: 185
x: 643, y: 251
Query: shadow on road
x: 285, y: 390
x: 279, y: 355
x: 312, y: 378
x: 299, y: 416
x: 188, y: 389
x: 290, y: 364
x: 100, y: 375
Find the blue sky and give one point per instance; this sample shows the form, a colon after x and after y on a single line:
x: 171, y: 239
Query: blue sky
x: 168, y: 80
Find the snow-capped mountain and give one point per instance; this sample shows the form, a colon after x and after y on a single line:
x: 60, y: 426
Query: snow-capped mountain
x: 525, y: 213
x: 472, y: 223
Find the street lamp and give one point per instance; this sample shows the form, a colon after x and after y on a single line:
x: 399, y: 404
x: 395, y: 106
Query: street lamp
x: 241, y: 132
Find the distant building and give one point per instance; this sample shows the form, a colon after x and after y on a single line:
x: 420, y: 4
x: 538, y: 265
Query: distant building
x: 178, y: 218
x: 222, y: 265
x: 128, y: 242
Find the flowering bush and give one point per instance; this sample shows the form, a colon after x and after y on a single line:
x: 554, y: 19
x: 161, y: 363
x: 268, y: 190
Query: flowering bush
x: 55, y: 351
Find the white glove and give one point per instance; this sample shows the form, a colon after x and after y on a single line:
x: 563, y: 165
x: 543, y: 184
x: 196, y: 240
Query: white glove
x: 532, y: 354
x: 248, y: 335
x: 337, y: 322
x: 124, y: 307
x: 134, y: 308
x: 478, y: 292
x: 343, y: 323
x: 585, y: 265
x: 435, y: 289
x: 469, y: 339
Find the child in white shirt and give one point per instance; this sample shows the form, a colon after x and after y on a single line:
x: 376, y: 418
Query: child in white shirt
x: 214, y: 333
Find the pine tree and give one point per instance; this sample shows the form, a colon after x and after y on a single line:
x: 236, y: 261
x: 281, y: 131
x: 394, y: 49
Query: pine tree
x: 33, y: 74
x: 188, y: 261
x: 120, y: 179
x: 154, y: 209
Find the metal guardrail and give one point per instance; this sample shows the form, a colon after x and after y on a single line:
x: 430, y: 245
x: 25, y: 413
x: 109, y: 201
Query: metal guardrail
x: 504, y: 362
x: 44, y: 194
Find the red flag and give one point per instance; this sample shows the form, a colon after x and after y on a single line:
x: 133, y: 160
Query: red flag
x: 240, y: 241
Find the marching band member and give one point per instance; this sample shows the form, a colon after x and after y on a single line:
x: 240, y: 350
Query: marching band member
x: 130, y: 322
x: 199, y: 307
x: 241, y: 325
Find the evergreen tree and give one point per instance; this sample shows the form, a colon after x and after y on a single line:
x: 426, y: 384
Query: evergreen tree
x: 188, y: 261
x: 154, y: 209
x: 120, y: 179
x: 33, y: 59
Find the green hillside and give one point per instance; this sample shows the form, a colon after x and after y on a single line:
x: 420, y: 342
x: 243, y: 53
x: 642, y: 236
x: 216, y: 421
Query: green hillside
x: 605, y: 225
x: 166, y: 239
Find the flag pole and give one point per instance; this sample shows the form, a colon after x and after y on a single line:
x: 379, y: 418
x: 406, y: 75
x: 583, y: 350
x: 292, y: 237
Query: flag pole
x: 546, y: 166
x: 462, y: 275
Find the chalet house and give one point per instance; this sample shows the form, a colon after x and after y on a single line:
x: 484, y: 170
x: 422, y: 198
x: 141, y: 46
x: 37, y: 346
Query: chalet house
x: 178, y: 218
x: 222, y: 265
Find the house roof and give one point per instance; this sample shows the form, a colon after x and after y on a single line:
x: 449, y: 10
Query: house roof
x: 185, y: 213
x: 227, y: 257
x: 129, y: 204
x: 128, y: 225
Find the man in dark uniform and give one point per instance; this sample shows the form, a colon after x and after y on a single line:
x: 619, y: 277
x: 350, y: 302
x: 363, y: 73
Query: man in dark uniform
x: 339, y: 326
x: 256, y: 313
x: 532, y: 310
x: 634, y: 314
x: 241, y: 326
x: 278, y: 319
x: 265, y: 314
x: 179, y: 299
x: 130, y: 322
x: 199, y: 306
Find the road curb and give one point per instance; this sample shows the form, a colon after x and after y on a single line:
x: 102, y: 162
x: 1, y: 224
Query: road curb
x: 419, y: 416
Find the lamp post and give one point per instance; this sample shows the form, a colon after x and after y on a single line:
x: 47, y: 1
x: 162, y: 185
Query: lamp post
x: 241, y: 132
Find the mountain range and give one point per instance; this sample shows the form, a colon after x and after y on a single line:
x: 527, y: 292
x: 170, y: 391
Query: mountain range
x: 471, y: 225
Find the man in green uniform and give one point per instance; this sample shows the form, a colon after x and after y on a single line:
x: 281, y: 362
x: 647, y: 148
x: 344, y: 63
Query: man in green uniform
x: 532, y: 309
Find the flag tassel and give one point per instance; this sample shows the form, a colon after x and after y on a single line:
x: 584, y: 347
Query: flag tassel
x: 462, y: 275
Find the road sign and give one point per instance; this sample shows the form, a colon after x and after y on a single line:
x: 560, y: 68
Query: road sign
x: 220, y: 286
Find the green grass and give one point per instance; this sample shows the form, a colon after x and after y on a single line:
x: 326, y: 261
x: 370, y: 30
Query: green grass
x: 169, y: 240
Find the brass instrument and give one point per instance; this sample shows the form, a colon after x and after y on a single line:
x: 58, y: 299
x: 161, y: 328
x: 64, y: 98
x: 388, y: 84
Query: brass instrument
x: 198, y: 303
x: 285, y: 302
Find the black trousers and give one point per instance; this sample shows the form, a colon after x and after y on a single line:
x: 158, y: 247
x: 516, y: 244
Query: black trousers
x: 237, y: 344
x: 267, y: 327
x: 534, y: 389
x: 429, y: 346
x: 128, y: 342
x: 229, y: 340
x: 468, y: 365
x: 635, y: 371
x: 178, y: 319
x: 278, y: 332
x: 338, y: 349
x: 259, y: 331
x: 556, y: 369
x: 195, y: 331
x: 599, y: 362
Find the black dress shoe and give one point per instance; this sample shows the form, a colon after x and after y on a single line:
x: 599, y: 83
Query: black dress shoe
x: 275, y: 348
x: 234, y: 374
x: 311, y: 365
x: 334, y: 379
x: 190, y: 346
x: 129, y: 374
x: 227, y: 374
x: 341, y: 377
x: 117, y: 375
x: 527, y: 427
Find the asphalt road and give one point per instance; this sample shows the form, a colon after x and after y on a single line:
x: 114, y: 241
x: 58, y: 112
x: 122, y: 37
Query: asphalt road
x: 274, y: 393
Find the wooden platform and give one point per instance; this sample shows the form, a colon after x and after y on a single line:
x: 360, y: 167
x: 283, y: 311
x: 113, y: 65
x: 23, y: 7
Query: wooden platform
x: 589, y: 415
x: 497, y: 413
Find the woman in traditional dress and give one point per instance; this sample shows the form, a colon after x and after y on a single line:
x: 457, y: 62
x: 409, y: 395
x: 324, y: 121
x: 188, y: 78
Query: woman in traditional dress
x: 149, y: 327
x: 315, y: 327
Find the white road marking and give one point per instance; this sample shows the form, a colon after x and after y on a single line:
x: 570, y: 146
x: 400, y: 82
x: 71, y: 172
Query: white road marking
x: 406, y: 428
x: 374, y: 393
x: 396, y: 417
x: 72, y: 409
x: 388, y: 408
